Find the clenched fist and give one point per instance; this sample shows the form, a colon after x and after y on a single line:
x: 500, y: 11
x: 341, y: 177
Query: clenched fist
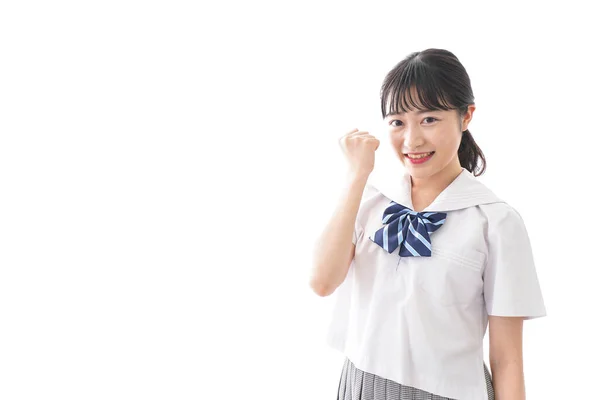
x: 359, y: 148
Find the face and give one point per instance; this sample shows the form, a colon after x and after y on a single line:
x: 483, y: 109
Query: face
x: 421, y: 132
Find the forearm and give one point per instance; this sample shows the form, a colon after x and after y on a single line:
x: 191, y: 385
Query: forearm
x: 333, y: 249
x: 508, y: 380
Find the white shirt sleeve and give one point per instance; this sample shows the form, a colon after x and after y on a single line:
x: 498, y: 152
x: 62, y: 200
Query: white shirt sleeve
x: 511, y: 287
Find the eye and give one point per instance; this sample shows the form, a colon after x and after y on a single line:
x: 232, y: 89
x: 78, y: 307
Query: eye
x: 433, y: 119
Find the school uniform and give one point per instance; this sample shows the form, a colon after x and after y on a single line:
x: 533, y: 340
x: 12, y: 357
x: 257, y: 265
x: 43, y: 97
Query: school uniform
x: 412, y: 312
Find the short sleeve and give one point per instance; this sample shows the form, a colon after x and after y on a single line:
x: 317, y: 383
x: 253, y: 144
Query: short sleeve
x: 511, y: 287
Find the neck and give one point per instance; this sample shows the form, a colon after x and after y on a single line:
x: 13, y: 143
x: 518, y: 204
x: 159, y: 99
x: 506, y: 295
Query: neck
x: 438, y: 182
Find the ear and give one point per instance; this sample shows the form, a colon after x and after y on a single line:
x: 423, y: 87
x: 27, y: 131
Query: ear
x: 467, y: 117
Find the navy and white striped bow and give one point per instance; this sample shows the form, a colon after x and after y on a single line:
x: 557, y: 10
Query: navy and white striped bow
x: 408, y: 229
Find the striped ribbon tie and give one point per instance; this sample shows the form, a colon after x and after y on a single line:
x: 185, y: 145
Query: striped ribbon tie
x: 408, y: 229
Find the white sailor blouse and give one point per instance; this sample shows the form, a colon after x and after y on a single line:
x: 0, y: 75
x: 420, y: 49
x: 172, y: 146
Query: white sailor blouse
x: 420, y: 319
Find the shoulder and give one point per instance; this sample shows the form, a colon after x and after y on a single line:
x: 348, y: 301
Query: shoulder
x: 499, y: 210
x: 502, y: 219
x: 496, y: 208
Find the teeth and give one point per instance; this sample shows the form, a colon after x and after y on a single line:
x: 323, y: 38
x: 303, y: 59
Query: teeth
x: 419, y: 156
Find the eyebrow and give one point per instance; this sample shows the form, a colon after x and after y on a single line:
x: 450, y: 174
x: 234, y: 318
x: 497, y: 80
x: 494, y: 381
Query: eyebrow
x: 418, y: 112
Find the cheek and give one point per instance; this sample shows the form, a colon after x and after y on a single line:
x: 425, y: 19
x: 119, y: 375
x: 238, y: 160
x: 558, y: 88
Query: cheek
x: 395, y: 140
x: 448, y: 143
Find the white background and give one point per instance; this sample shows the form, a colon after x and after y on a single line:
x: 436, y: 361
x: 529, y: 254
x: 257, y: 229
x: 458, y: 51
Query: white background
x: 165, y: 169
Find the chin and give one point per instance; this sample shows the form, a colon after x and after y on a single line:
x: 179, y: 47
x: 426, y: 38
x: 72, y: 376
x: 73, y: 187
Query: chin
x: 421, y: 171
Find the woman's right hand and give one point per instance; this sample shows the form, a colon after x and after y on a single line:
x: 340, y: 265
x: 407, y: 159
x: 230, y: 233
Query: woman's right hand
x: 359, y: 148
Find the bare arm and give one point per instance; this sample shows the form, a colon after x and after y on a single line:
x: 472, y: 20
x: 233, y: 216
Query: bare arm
x: 506, y: 357
x: 334, y: 249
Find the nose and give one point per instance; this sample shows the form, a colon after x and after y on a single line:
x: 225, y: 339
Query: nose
x: 412, y: 138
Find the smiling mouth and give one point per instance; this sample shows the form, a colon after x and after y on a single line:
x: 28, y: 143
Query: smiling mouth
x: 416, y: 156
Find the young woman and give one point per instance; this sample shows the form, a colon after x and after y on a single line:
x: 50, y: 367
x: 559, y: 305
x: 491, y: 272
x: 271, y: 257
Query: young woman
x: 422, y: 265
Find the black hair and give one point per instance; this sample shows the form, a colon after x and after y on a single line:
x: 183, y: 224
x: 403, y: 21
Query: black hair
x: 441, y: 83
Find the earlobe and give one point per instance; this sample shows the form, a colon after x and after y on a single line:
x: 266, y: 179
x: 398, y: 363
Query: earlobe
x: 467, y: 119
x: 464, y: 126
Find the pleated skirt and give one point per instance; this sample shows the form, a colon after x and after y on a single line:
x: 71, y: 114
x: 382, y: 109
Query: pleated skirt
x: 356, y: 384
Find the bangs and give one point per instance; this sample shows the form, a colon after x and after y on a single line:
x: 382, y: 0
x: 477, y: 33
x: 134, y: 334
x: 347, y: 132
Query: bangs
x: 412, y: 87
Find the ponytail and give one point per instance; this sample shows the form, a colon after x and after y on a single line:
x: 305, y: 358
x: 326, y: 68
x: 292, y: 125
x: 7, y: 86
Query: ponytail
x: 469, y: 154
